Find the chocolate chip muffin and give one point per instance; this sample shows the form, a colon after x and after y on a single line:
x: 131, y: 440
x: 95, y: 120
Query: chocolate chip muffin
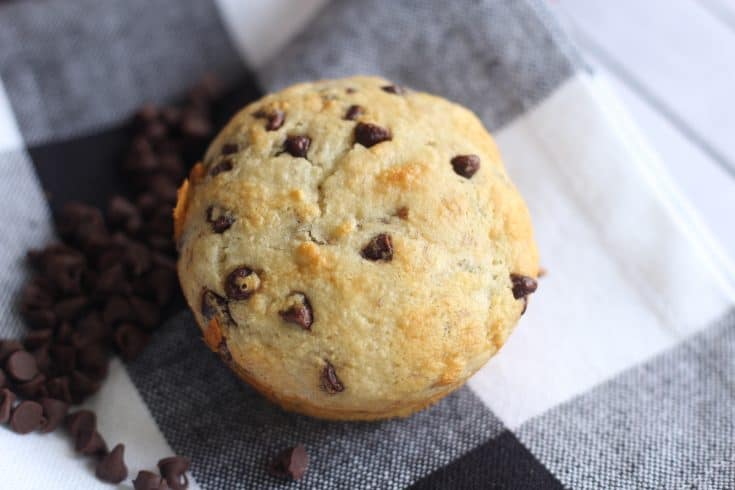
x: 353, y: 249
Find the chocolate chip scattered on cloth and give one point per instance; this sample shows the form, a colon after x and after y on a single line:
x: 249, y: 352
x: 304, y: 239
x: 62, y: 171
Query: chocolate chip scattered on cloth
x: 111, y: 468
x: 173, y: 469
x: 620, y: 353
x: 291, y: 463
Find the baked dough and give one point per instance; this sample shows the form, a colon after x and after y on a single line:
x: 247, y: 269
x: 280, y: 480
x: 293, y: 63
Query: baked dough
x: 354, y: 250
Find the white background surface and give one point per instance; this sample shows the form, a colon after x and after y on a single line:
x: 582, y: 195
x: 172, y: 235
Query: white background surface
x: 672, y: 64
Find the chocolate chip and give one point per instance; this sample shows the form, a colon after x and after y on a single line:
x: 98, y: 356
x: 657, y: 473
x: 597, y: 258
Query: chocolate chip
x: 402, y: 213
x: 219, y: 218
x: 27, y: 417
x: 146, y: 202
x: 21, y: 366
x: 291, y: 463
x: 155, y: 131
x: 224, y: 166
x: 65, y: 272
x: 34, y: 388
x: 93, y: 240
x: 40, y: 318
x: 69, y: 308
x: 59, y: 388
x: 146, y: 312
x: 147, y: 113
x: 37, y: 256
x: 354, y: 112
x: 90, y: 442
x: 54, y: 412
x: 113, y: 281
x: 522, y: 285
x: 41, y: 257
x: 81, y: 420
x: 171, y: 115
x: 229, y: 148
x: 117, y: 309
x: 64, y: 333
x: 7, y: 347
x: 109, y: 258
x: 130, y: 341
x: 37, y: 338
x: 329, y: 381
x: 371, y: 134
x: 172, y: 166
x: 147, y: 480
x: 380, y: 247
x: 350, y: 90
x: 82, y: 386
x: 7, y: 398
x: 207, y: 89
x: 43, y: 360
x: 174, y: 470
x: 224, y: 351
x: 275, y: 118
x: 111, y: 468
x: 394, y: 89
x: 63, y: 358
x: 297, y: 145
x: 120, y: 210
x: 213, y: 304
x: 90, y: 332
x: 93, y: 360
x: 195, y: 126
x: 90, y: 329
x: 141, y: 158
x: 466, y: 165
x: 241, y: 283
x: 37, y: 295
x: 138, y: 258
x: 298, y: 311
x: 75, y: 215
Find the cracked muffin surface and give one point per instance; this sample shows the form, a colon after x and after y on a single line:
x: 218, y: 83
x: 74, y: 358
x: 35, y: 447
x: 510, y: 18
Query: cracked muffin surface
x: 354, y: 249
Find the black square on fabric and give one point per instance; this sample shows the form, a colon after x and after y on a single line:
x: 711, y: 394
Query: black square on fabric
x: 501, y: 463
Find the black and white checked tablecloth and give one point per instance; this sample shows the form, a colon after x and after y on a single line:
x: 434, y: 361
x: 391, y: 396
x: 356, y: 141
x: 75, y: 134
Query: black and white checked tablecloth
x: 621, y: 374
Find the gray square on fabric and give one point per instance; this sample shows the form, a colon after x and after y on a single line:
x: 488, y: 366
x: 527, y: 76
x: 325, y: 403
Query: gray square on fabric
x: 497, y: 57
x: 665, y: 424
x: 73, y: 67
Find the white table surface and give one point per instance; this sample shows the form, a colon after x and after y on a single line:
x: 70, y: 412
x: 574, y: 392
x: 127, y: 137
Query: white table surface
x: 672, y: 64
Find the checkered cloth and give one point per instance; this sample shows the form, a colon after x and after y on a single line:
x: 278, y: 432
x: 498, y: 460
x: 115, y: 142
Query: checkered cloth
x: 620, y: 375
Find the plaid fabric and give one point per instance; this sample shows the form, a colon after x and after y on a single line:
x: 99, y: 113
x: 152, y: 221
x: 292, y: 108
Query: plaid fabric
x: 619, y: 376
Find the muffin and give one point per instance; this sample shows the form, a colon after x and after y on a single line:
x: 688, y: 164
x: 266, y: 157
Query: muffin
x: 354, y: 250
